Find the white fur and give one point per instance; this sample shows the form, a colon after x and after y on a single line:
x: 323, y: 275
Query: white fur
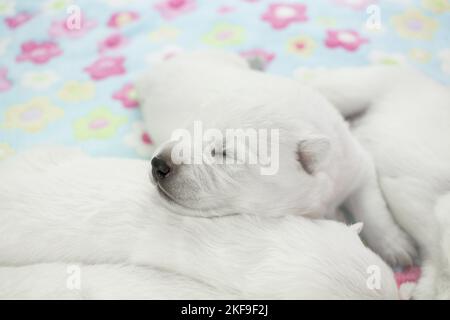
x: 438, y: 268
x: 404, y: 123
x: 176, y: 106
x: 225, y: 94
x: 53, y: 281
x: 74, y: 209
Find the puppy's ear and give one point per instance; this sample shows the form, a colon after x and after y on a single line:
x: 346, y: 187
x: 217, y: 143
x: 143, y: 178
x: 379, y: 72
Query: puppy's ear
x: 312, y: 152
x: 357, y: 227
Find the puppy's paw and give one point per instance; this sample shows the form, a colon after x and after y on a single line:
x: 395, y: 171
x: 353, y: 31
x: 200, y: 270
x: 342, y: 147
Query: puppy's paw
x: 397, y: 248
x: 442, y: 283
x: 426, y: 288
x: 406, y: 290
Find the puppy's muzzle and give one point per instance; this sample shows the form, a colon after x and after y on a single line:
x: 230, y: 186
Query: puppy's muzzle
x: 160, y: 169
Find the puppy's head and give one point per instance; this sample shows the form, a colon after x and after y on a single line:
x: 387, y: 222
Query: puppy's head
x: 243, y: 163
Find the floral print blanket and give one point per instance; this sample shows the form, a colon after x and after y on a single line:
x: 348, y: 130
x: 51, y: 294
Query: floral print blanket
x: 67, y: 66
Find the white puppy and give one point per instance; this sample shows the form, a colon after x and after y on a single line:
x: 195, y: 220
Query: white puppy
x: 403, y: 119
x: 317, y: 163
x: 68, y: 207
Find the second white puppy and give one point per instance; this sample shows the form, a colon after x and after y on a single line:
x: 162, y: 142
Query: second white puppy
x: 402, y: 117
x: 65, y: 281
x: 67, y: 207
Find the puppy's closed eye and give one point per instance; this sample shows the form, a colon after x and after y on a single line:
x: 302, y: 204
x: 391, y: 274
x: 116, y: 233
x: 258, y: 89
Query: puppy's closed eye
x: 213, y: 152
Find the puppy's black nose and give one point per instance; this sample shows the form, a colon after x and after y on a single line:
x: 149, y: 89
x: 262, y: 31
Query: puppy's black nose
x: 160, y: 169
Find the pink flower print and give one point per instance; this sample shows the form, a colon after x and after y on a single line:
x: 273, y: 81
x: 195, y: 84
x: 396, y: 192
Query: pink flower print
x: 411, y: 274
x: 164, y: 54
x: 38, y: 52
x: 112, y: 42
x: 106, y: 67
x: 258, y: 58
x: 120, y: 19
x: 139, y: 139
x: 170, y: 9
x: 5, y: 84
x: 348, y: 39
x: 225, y: 9
x: 127, y: 95
x: 17, y: 20
x: 355, y: 4
x: 281, y: 15
x: 61, y: 29
x: 146, y: 139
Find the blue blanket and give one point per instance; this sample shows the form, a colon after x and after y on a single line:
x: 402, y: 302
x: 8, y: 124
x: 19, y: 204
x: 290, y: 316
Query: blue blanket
x: 67, y: 67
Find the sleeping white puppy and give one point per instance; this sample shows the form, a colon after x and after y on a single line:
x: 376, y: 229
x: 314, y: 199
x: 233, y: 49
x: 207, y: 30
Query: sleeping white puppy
x: 403, y: 119
x: 311, y: 163
x: 67, y: 207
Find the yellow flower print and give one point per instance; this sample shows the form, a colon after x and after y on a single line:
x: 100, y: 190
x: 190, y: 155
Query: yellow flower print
x: 7, y: 8
x: 224, y: 35
x: 39, y: 80
x: 100, y: 123
x: 326, y: 21
x: 57, y: 5
x: 33, y: 115
x: 420, y: 55
x: 437, y: 6
x: 301, y: 45
x: 5, y: 151
x: 74, y: 91
x: 387, y: 58
x: 164, y: 33
x: 412, y: 24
